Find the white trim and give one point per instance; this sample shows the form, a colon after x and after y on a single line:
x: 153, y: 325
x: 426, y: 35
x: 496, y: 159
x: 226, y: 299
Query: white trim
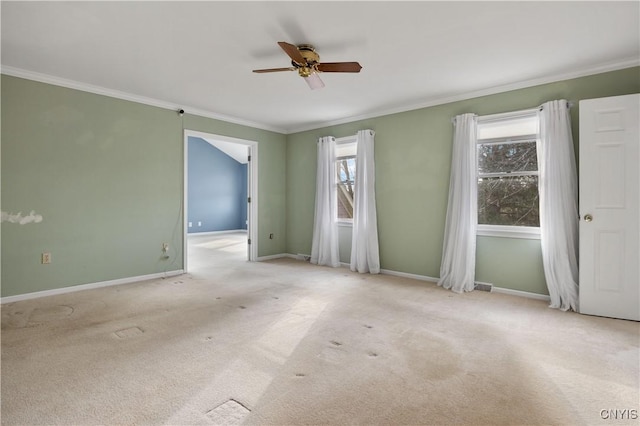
x: 185, y: 199
x: 508, y: 139
x: 494, y: 289
x: 58, y: 81
x: 347, y: 140
x: 252, y: 192
x: 275, y: 256
x: 300, y: 256
x: 91, y: 286
x: 598, y: 69
x: 98, y: 90
x: 232, y: 231
x: 521, y: 293
x: 506, y: 116
x: 222, y: 138
x: 503, y: 231
x: 407, y: 275
x: 434, y: 280
x: 506, y: 231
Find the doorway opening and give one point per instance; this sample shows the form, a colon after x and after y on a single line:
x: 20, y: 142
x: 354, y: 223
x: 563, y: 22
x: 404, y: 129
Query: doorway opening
x: 210, y: 220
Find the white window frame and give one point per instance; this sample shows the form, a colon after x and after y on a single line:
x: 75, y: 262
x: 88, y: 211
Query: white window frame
x: 348, y: 140
x: 507, y: 231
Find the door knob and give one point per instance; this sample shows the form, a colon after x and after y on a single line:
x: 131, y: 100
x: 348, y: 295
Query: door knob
x: 588, y: 218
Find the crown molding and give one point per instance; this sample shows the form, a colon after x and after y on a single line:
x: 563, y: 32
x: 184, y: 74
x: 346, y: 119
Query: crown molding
x: 57, y: 81
x: 98, y: 90
x: 612, y: 66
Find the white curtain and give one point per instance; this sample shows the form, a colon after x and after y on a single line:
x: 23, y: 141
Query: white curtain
x: 558, y: 204
x: 457, y: 270
x: 324, y: 246
x: 365, y: 255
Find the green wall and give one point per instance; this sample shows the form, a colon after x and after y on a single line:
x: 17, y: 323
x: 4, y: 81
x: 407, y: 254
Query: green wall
x: 106, y: 175
x: 413, y: 157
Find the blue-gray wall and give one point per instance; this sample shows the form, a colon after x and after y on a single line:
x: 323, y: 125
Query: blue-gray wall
x: 217, y: 189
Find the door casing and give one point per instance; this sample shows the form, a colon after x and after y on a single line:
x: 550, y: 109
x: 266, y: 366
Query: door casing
x: 252, y: 191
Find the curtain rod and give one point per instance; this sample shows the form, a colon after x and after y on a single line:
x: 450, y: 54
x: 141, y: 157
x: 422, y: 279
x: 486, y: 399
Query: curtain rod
x: 515, y: 113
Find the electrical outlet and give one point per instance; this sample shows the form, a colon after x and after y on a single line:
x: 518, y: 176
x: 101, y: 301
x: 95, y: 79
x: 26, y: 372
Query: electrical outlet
x: 46, y: 258
x: 199, y: 223
x: 190, y: 224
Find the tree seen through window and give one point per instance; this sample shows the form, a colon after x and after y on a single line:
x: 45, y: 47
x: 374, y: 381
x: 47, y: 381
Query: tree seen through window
x: 346, y: 170
x: 508, y: 182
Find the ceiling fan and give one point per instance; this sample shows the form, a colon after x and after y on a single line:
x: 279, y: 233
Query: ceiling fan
x: 306, y: 61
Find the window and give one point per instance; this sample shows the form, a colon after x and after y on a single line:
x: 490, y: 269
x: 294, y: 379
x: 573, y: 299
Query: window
x: 346, y: 174
x: 508, y: 200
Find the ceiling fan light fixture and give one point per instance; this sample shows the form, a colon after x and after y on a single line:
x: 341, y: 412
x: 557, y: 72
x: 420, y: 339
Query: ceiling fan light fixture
x: 306, y: 61
x: 305, y: 71
x: 314, y: 81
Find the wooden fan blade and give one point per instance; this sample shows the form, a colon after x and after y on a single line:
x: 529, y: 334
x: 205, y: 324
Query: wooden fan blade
x: 293, y: 52
x: 339, y: 67
x: 274, y: 70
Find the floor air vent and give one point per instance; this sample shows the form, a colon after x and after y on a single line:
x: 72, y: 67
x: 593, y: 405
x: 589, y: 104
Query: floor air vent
x: 229, y: 413
x: 483, y: 287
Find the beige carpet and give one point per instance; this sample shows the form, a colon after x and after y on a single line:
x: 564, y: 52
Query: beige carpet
x: 284, y: 342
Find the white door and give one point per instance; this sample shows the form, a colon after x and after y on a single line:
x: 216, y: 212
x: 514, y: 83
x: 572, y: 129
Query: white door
x: 609, y: 212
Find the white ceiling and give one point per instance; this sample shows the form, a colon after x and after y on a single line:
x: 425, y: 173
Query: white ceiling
x: 237, y: 151
x: 199, y: 55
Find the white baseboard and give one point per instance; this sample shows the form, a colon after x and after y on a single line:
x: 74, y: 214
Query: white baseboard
x: 120, y: 281
x: 273, y: 256
x: 521, y: 293
x: 407, y: 275
x: 231, y: 231
x: 494, y: 289
x: 282, y: 255
x: 416, y: 277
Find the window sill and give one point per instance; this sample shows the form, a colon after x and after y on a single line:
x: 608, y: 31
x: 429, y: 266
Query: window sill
x: 345, y: 223
x: 523, y: 232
